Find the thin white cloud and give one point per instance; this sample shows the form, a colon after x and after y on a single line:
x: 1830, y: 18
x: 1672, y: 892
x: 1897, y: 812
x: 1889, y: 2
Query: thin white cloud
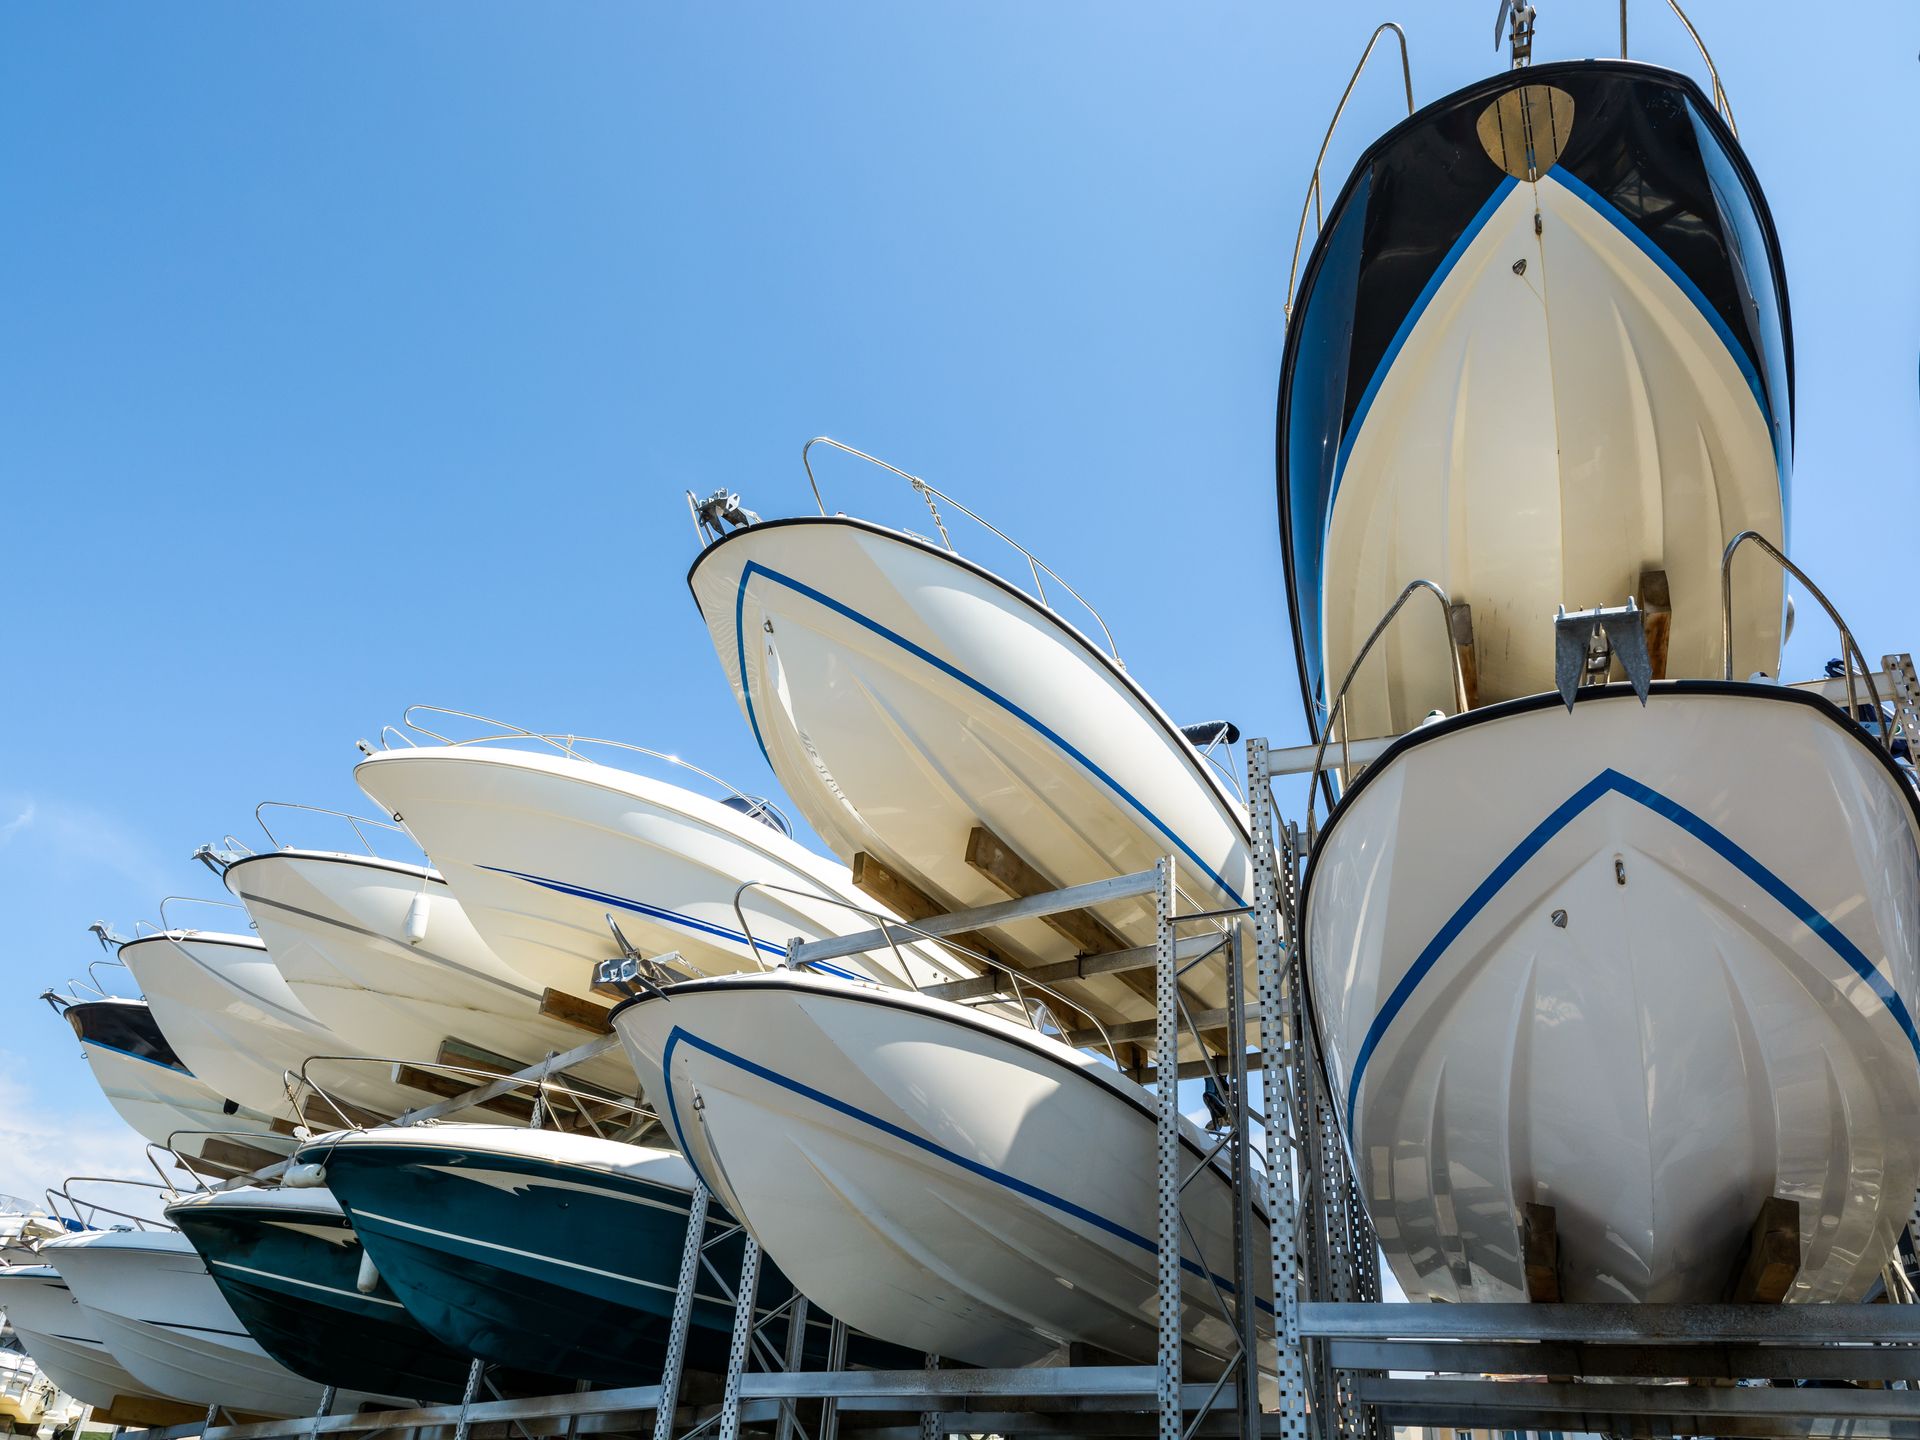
x: 19, y: 822
x: 42, y: 1146
x: 78, y: 839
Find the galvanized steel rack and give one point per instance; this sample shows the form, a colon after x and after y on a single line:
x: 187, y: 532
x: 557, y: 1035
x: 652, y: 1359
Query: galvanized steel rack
x: 1343, y: 1365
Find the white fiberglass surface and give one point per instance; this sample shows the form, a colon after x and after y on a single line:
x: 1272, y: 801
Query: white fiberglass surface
x: 164, y: 1319
x: 160, y: 1103
x: 1635, y: 983
x: 904, y: 700
x: 231, y: 1016
x: 337, y: 929
x: 961, y: 1192
x: 61, y: 1336
x: 574, y: 1151
x: 542, y: 851
x: 1544, y: 438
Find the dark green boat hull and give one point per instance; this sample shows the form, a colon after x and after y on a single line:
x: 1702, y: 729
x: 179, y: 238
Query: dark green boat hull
x: 534, y: 1263
x: 294, y: 1291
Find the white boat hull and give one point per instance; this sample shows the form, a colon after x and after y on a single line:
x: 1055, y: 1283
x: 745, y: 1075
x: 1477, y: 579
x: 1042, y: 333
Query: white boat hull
x: 905, y: 696
x: 934, y: 1177
x: 227, y: 1011
x: 541, y: 850
x: 336, y: 927
x: 1522, y: 466
x: 166, y: 1106
x: 63, y: 1337
x: 1647, y: 966
x: 164, y: 1319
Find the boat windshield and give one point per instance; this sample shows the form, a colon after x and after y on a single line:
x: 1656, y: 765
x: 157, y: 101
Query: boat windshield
x: 123, y: 1025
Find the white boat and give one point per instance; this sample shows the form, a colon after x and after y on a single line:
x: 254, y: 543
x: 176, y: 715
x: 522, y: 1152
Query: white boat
x: 231, y: 1017
x: 1540, y: 356
x: 1649, y: 966
x: 907, y: 697
x: 165, y: 1321
x: 542, y: 848
x: 63, y: 1337
x: 939, y: 1178
x: 338, y: 929
x: 150, y: 1087
x: 23, y: 1226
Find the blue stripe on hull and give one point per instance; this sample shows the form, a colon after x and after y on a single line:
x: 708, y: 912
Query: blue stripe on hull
x: 820, y: 1097
x: 1059, y: 741
x: 666, y: 917
x: 1609, y: 782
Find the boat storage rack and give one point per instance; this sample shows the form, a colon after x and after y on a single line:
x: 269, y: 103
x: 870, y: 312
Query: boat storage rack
x: 1342, y: 1366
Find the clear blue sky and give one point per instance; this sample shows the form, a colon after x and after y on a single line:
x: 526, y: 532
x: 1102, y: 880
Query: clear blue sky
x: 358, y: 354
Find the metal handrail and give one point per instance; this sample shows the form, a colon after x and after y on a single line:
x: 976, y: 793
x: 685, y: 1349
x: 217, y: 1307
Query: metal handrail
x: 544, y: 1084
x: 1849, y: 648
x: 94, y: 1207
x: 563, y: 743
x: 354, y: 821
x: 1311, y: 205
x: 1219, y: 766
x: 184, y: 1162
x: 1720, y: 101
x: 168, y: 928
x: 1338, y: 708
x: 879, y: 920
x: 96, y: 986
x: 928, y: 493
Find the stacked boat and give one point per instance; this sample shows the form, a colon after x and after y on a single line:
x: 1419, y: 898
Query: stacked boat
x: 1618, y: 925
x: 1564, y: 952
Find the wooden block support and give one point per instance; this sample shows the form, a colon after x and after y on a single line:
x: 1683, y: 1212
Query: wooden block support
x: 450, y: 1087
x: 1770, y: 1259
x: 907, y: 900
x: 237, y: 1157
x: 1540, y: 1253
x: 572, y: 1010
x: 992, y: 857
x: 872, y: 878
x: 518, y: 1104
x: 326, y: 1114
x: 146, y: 1411
x: 1656, y: 601
x: 1012, y: 873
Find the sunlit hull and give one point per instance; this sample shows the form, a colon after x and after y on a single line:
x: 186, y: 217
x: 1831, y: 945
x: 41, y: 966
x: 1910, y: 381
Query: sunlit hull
x: 164, y: 1319
x: 543, y: 850
x: 62, y: 1337
x: 905, y: 697
x: 933, y: 1176
x: 1535, y: 389
x: 1648, y: 966
x: 336, y: 927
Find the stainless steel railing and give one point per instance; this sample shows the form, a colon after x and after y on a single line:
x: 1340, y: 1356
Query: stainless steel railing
x: 1849, y: 648
x: 1312, y: 204
x: 1337, y: 710
x: 1037, y: 568
x: 505, y: 733
x: 354, y: 822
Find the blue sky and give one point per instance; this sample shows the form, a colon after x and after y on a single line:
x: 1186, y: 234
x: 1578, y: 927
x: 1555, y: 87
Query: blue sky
x: 357, y: 355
